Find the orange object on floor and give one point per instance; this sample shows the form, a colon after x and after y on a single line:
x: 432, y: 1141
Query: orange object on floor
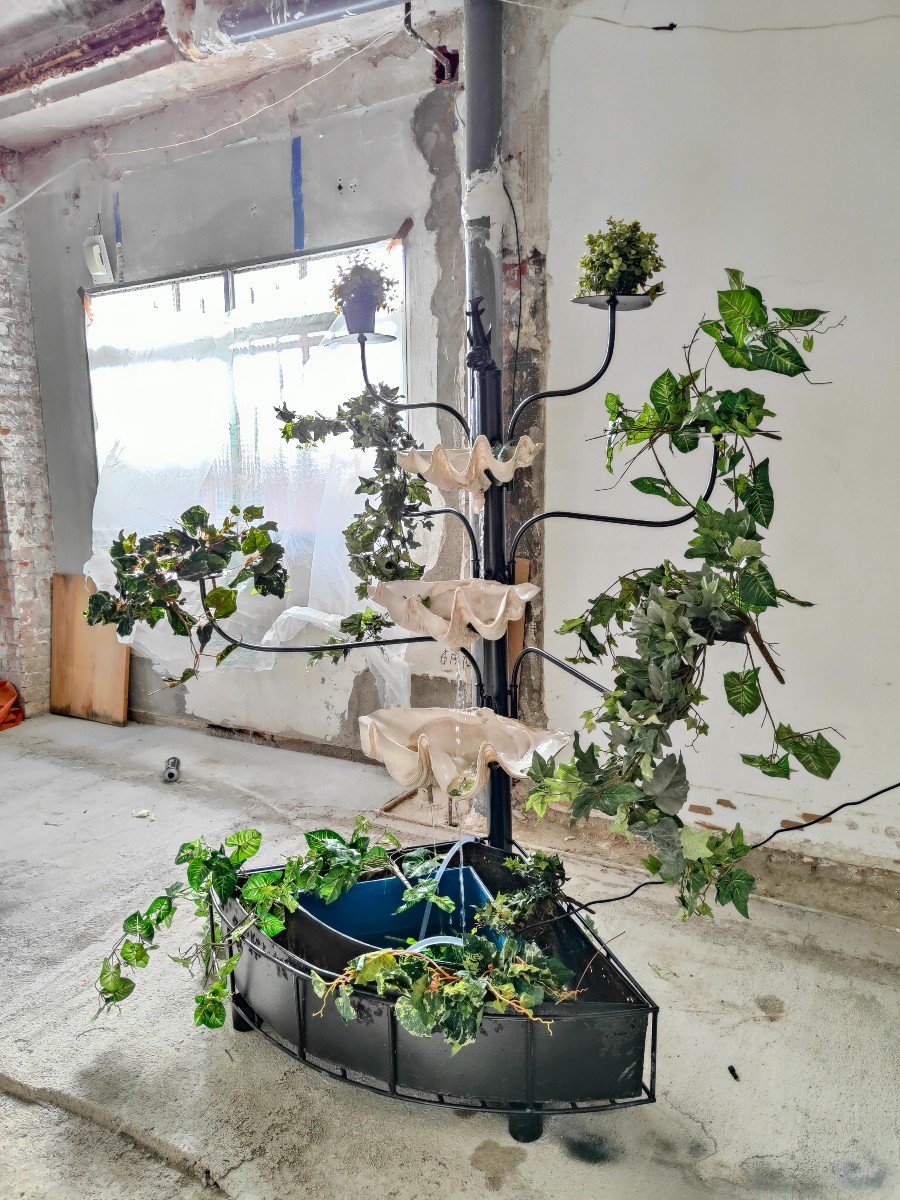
x: 11, y: 713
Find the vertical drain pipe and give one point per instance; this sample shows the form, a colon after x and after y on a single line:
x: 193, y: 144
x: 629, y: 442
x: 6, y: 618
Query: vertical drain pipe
x: 483, y: 63
x: 482, y: 215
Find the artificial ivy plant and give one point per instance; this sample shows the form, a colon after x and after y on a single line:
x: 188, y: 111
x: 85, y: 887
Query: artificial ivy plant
x: 446, y: 992
x: 670, y: 616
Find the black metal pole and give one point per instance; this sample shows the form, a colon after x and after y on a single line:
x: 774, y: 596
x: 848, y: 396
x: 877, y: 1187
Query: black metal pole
x: 482, y: 58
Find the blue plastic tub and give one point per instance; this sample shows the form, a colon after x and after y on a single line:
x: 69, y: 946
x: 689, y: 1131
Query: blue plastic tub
x: 364, y: 919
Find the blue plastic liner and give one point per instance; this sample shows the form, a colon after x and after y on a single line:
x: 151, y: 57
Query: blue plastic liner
x: 366, y: 913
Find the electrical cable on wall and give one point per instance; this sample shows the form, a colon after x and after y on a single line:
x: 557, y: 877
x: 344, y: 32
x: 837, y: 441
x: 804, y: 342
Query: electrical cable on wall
x: 673, y: 26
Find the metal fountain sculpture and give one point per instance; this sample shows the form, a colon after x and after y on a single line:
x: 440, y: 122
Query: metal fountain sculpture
x: 603, y: 1049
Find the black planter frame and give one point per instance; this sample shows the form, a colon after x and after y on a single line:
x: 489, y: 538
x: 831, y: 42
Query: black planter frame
x: 518, y: 1068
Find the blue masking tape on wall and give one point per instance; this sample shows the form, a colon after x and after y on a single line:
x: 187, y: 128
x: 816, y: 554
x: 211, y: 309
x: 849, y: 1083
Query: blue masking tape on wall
x: 297, y: 194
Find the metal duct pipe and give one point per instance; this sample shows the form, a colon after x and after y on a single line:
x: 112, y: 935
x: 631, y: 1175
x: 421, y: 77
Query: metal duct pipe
x: 483, y: 65
x: 243, y: 26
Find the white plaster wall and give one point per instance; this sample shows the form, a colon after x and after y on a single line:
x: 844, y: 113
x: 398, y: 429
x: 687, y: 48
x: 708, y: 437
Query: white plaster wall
x: 211, y: 205
x: 776, y: 153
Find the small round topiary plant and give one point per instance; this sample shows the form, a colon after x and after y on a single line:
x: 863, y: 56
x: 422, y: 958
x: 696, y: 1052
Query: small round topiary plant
x: 620, y: 261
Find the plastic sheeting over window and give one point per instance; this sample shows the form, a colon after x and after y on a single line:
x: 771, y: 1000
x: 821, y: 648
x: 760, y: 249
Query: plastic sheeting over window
x: 185, y: 377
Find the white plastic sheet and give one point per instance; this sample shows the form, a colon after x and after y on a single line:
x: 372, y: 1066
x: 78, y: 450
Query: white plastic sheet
x: 184, y: 389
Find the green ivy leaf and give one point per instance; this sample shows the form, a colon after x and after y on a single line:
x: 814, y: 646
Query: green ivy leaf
x: 320, y: 987
x: 221, y: 602
x: 669, y: 397
x: 342, y: 1003
x: 777, y: 355
x: 134, y: 953
x: 412, y: 1018
x: 652, y: 485
x: 209, y: 1012
x: 801, y: 317
x: 812, y: 751
x: 758, y: 497
x: 756, y: 588
x: 139, y: 926
x: 735, y: 888
x: 741, y: 310
x: 113, y: 984
x: 695, y: 844
x: 778, y: 768
x: 742, y: 690
x: 246, y: 843
x: 667, y: 787
x: 271, y: 925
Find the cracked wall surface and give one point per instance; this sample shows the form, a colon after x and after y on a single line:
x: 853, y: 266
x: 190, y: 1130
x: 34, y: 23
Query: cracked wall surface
x: 26, y: 549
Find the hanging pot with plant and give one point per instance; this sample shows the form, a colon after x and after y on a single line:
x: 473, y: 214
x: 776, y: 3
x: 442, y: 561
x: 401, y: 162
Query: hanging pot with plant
x: 620, y: 262
x: 359, y: 291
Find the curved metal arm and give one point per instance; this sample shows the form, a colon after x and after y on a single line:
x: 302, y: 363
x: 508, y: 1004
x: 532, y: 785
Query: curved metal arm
x: 393, y: 403
x: 573, y: 391
x: 639, y: 521
x: 551, y: 658
x: 473, y: 540
x: 330, y: 647
x: 439, y: 57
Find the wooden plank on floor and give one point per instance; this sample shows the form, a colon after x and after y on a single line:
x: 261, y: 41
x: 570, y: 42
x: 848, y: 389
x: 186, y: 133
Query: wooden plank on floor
x: 89, y: 666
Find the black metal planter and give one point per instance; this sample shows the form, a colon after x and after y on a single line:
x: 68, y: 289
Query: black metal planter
x: 600, y: 1055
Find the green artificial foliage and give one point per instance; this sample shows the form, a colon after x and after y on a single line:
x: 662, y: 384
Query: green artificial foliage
x: 151, y: 570
x: 620, y: 261
x: 449, y: 995
x: 670, y: 616
x: 360, y: 278
x: 381, y: 540
x: 446, y: 994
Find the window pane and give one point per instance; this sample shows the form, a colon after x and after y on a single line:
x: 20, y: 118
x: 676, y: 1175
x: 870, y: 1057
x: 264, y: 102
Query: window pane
x: 184, y: 392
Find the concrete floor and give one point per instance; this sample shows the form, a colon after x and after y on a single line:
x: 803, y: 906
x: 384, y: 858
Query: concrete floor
x: 802, y: 1004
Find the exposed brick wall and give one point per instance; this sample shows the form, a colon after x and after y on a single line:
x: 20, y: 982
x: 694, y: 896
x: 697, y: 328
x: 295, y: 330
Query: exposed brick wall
x: 26, y: 540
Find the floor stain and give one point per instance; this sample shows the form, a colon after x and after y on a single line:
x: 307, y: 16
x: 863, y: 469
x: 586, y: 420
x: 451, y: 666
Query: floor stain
x: 592, y: 1148
x: 499, y: 1164
x: 772, y: 1007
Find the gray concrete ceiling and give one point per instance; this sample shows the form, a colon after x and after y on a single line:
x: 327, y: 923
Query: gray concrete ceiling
x: 151, y: 77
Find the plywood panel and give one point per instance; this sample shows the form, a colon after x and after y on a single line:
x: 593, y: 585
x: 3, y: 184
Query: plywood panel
x: 89, y: 665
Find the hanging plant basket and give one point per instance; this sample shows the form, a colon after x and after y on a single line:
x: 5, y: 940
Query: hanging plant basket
x: 600, y: 1055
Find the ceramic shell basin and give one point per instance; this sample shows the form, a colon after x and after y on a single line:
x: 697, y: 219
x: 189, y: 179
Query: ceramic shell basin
x: 458, y: 610
x: 468, y: 468
x: 451, y: 749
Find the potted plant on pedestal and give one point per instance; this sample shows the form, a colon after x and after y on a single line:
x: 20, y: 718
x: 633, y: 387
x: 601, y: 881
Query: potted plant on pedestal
x: 361, y: 290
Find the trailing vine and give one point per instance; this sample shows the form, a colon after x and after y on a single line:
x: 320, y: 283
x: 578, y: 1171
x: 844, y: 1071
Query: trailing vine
x: 448, y: 994
x: 330, y: 866
x: 674, y: 614
x: 382, y: 539
x: 151, y: 570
